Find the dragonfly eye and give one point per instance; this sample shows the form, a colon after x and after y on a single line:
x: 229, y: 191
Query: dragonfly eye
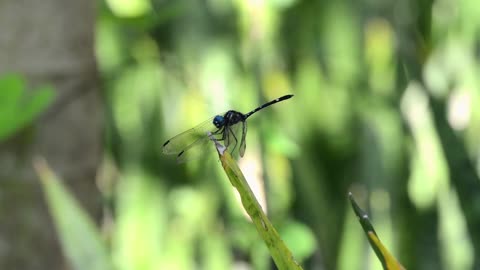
x: 218, y: 121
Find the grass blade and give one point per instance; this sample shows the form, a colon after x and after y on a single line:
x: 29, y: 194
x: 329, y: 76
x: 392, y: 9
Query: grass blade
x: 79, y: 238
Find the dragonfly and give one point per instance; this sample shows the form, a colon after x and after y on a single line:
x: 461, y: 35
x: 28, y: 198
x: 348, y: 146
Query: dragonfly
x: 230, y: 128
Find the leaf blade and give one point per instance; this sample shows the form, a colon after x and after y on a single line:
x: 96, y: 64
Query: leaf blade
x: 80, y: 241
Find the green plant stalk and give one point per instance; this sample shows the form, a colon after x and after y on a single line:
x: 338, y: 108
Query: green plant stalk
x: 281, y: 255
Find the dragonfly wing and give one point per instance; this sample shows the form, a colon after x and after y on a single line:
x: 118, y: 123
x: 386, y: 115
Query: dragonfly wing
x: 200, y: 148
x: 243, y: 143
x: 188, y: 138
x: 195, y: 150
x: 233, y: 137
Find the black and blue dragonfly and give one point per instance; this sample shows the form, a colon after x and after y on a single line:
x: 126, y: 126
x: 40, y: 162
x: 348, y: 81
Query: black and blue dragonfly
x: 230, y: 128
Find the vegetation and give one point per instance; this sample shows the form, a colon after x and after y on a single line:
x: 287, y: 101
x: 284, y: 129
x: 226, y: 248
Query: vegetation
x: 386, y: 106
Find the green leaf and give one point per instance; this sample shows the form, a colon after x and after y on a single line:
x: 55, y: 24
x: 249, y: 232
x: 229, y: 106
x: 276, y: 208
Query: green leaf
x: 388, y: 261
x: 18, y: 107
x: 281, y: 255
x: 79, y: 238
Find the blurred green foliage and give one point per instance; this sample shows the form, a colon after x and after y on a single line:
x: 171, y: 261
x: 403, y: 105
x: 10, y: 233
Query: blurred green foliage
x: 386, y: 105
x: 19, y: 107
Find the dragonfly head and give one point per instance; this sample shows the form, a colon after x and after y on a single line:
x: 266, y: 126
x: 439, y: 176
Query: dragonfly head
x: 219, y: 121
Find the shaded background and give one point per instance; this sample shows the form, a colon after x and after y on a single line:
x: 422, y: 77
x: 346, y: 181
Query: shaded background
x: 386, y: 106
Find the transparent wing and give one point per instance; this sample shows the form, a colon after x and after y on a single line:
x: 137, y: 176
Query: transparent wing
x: 233, y: 138
x: 243, y: 143
x: 227, y: 137
x: 189, y: 138
x: 198, y: 149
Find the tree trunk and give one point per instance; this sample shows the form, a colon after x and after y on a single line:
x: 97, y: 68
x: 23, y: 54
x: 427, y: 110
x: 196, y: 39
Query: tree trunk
x: 48, y: 42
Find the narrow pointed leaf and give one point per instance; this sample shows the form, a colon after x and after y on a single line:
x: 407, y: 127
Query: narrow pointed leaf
x: 81, y: 242
x: 388, y: 261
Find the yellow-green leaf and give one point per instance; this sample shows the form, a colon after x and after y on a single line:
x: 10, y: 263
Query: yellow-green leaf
x: 388, y: 261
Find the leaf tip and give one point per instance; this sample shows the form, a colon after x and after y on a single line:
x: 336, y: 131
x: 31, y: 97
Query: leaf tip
x: 41, y: 168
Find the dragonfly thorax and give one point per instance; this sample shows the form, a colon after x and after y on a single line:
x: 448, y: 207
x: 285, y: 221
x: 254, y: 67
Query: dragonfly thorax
x: 233, y: 117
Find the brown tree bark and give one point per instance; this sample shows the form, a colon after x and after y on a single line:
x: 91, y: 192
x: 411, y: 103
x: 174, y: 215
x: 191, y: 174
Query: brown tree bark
x: 48, y: 42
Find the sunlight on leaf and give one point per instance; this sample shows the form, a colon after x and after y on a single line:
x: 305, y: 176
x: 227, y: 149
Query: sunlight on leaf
x: 132, y: 8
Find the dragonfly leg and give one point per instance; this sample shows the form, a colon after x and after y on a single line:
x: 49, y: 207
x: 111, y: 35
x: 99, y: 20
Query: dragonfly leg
x: 218, y: 132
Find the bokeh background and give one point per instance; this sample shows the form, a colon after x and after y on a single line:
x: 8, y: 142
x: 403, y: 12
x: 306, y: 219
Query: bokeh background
x: 386, y: 106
